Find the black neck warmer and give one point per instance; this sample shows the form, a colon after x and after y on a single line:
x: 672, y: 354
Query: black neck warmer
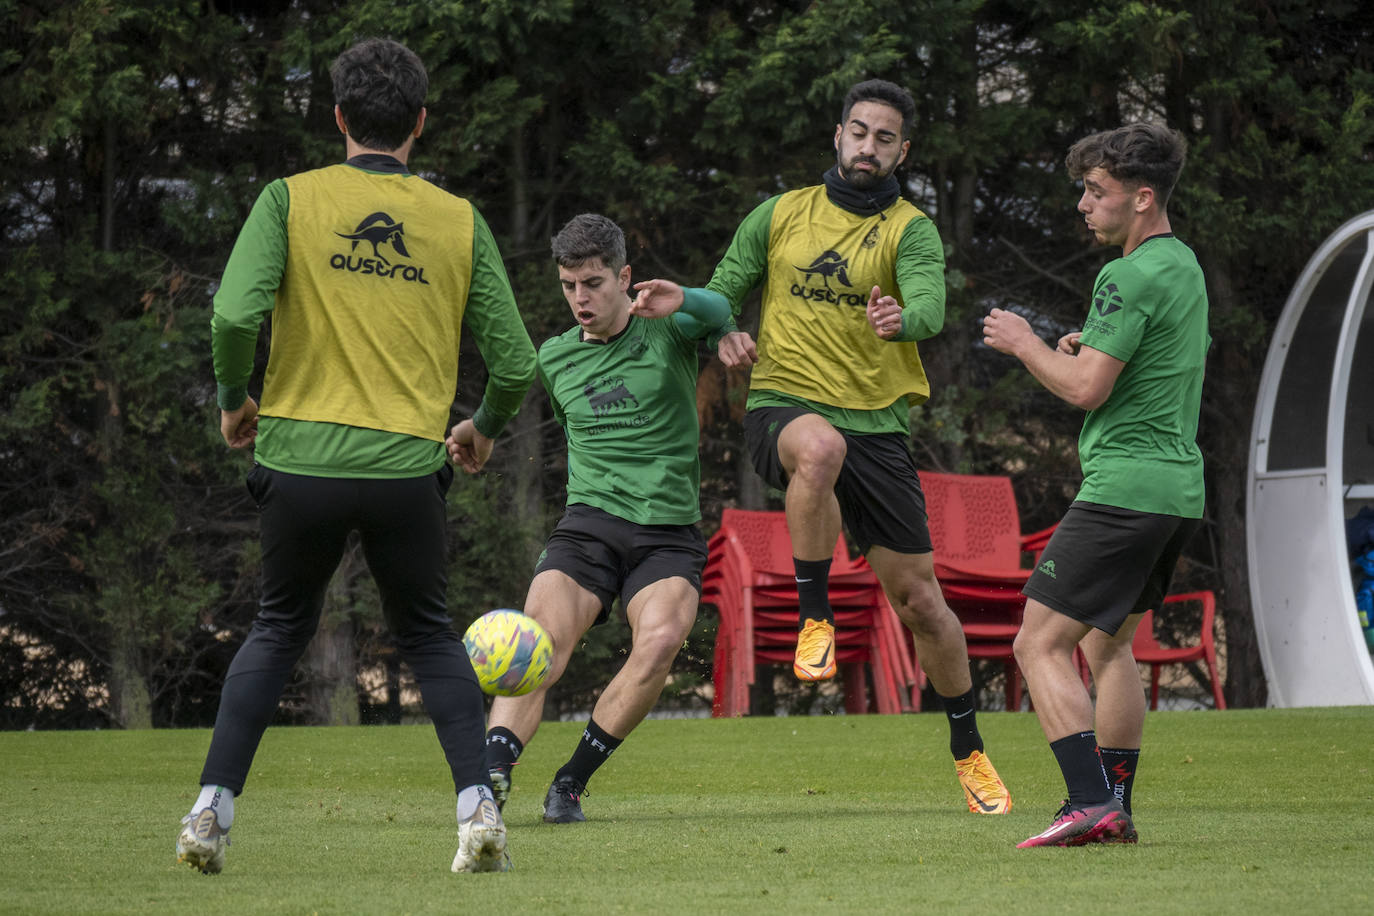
x: 863, y: 201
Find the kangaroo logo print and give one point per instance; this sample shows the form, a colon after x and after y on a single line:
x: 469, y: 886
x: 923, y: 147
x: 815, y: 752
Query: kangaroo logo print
x: 828, y: 265
x: 378, y: 229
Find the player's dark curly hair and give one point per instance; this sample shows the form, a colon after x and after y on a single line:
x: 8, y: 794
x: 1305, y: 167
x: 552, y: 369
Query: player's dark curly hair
x: 379, y: 86
x: 587, y: 236
x: 881, y: 91
x: 1135, y: 155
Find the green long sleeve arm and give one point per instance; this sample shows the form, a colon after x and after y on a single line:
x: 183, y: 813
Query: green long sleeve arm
x: 499, y: 333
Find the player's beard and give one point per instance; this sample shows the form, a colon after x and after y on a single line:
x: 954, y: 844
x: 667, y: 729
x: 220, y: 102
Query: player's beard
x: 864, y: 180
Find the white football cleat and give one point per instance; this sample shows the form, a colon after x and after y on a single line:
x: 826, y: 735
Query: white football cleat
x: 201, y: 843
x: 482, y: 841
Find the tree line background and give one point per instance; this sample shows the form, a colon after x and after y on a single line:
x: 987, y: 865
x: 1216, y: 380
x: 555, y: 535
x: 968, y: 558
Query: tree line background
x: 140, y: 132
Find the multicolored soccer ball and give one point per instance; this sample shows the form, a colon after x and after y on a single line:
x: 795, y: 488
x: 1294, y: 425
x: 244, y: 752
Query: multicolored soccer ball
x: 510, y: 652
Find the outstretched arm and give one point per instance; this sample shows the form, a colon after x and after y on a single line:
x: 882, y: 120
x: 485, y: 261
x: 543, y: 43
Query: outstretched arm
x: 697, y: 312
x: 656, y: 299
x: 739, y: 271
x: 1084, y: 380
x: 499, y: 333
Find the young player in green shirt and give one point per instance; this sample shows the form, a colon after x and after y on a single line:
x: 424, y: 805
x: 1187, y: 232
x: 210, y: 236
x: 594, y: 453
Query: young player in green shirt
x: 622, y: 383
x: 1137, y: 368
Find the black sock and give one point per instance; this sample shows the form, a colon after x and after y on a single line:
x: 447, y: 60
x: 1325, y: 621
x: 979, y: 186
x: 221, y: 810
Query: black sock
x: 1120, y: 764
x: 963, y: 725
x: 592, y: 751
x: 813, y: 591
x: 503, y: 749
x: 1081, y: 764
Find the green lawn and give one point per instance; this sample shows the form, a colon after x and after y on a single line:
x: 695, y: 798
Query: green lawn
x: 1251, y: 811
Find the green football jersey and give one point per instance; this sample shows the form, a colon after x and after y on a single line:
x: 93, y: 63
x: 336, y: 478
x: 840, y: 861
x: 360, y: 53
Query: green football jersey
x: 628, y: 408
x: 1139, y: 449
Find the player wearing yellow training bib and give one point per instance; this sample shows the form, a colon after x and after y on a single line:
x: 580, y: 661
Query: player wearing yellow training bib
x: 370, y: 275
x: 852, y: 278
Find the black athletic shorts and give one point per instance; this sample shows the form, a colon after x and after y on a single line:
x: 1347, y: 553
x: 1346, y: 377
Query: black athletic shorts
x: 609, y: 556
x: 1103, y: 564
x: 881, y: 502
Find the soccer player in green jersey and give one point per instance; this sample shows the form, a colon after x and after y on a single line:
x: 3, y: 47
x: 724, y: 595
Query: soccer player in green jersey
x: 1137, y: 368
x: 370, y: 273
x: 853, y: 277
x: 622, y: 383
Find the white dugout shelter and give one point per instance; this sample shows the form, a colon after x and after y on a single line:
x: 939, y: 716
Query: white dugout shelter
x: 1311, y: 468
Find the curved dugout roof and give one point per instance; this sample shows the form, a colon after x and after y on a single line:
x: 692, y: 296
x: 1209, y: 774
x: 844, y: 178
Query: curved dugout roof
x: 1311, y: 467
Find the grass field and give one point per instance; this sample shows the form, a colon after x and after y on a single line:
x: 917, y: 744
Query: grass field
x: 1246, y: 811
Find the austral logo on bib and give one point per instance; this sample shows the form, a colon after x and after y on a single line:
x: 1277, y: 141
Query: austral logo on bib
x: 381, y: 232
x: 829, y: 265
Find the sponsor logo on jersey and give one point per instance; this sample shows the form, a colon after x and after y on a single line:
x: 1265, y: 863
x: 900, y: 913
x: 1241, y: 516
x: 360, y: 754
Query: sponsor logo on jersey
x: 1108, y: 300
x: 381, y: 232
x: 609, y: 395
x: 829, y: 265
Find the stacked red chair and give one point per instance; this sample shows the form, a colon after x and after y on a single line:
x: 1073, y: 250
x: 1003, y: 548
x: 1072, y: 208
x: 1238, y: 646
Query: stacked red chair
x: 750, y: 578
x: 975, y: 528
x: 976, y: 532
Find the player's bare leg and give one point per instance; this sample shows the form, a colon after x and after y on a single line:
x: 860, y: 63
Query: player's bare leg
x: 566, y: 610
x: 660, y: 617
x: 1044, y: 651
x: 812, y: 453
x: 1120, y: 716
x: 909, y: 580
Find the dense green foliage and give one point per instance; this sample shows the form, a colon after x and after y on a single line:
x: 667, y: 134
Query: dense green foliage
x: 830, y: 814
x: 141, y: 131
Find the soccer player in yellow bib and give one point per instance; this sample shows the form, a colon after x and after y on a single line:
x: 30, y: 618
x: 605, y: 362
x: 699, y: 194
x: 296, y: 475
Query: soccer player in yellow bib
x: 853, y: 277
x: 370, y: 274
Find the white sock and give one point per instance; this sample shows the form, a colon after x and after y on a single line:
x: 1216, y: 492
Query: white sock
x: 470, y: 798
x: 221, y: 800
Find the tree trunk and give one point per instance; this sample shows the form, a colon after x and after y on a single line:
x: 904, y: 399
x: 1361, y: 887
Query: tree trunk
x: 967, y: 108
x: 1228, y: 444
x: 526, y: 463
x: 331, y: 661
x: 107, y: 188
x: 130, y: 703
x: 752, y: 494
x: 1227, y: 433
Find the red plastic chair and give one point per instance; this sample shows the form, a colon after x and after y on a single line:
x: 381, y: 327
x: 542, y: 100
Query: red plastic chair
x: 976, y: 532
x: 975, y: 524
x: 1148, y: 650
x: 743, y: 625
x: 750, y: 578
